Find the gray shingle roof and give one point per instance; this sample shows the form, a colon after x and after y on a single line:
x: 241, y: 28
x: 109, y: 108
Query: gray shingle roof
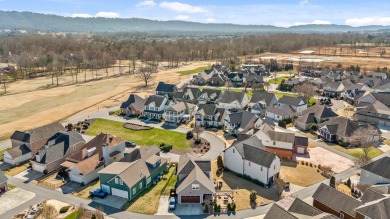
x: 321, y: 111
x: 206, y: 109
x: 163, y: 87
x: 135, y: 100
x: 379, y: 167
x: 262, y: 96
x: 283, y: 111
x: 343, y: 126
x: 336, y: 200
x: 307, y: 118
x: 292, y: 101
x: 230, y: 96
x: 281, y: 136
x: 302, y: 141
x: 301, y: 207
x: 371, y: 195
x: 277, y: 211
x: 377, y: 209
x: 18, y: 151
x: 37, y: 134
x: 157, y: 100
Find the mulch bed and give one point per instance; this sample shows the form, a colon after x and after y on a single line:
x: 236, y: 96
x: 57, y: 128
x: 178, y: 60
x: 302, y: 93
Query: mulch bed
x: 201, y: 148
x: 136, y: 127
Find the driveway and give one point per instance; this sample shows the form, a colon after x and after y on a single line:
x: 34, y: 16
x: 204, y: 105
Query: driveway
x: 28, y: 175
x: 110, y: 201
x: 324, y: 157
x: 13, y: 199
x: 181, y: 209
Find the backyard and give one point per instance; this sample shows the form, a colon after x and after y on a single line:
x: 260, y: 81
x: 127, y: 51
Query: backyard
x: 147, y: 202
x: 144, y: 138
x: 278, y: 80
x: 242, y: 188
x: 357, y: 152
x: 194, y: 71
x: 1, y: 153
x: 300, y: 175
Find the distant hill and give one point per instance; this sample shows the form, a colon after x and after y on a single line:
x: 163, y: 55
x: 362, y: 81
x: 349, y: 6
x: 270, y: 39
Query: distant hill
x: 52, y: 23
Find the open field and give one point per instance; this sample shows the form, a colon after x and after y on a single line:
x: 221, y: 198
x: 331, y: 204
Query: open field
x: 348, y: 50
x: 147, y: 201
x: 194, y: 71
x: 30, y: 103
x: 145, y: 137
x: 357, y: 152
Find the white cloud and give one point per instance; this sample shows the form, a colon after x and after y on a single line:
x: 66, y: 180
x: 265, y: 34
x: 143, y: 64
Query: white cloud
x: 368, y: 21
x: 182, y: 17
x: 107, y: 14
x: 82, y: 15
x: 183, y: 8
x: 146, y: 3
x: 304, y: 2
x: 314, y: 22
x: 210, y: 20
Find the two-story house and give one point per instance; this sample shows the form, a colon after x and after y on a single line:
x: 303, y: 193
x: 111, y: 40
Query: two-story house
x: 180, y: 112
x: 133, y: 106
x: 241, y: 122
x: 154, y: 107
x: 208, y: 115
x: 210, y: 96
x: 249, y: 157
x: 298, y: 104
x: 26, y: 144
x: 166, y: 90
x: 315, y: 114
x: 376, y: 172
x: 236, y: 79
x: 138, y: 170
x: 189, y: 94
x: 260, y: 101
x: 233, y: 100
x: 102, y: 150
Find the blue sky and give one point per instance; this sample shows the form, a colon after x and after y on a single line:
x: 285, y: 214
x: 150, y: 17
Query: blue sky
x: 272, y: 12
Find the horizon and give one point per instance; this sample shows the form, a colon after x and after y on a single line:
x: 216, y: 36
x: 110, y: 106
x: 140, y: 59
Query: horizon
x: 247, y: 12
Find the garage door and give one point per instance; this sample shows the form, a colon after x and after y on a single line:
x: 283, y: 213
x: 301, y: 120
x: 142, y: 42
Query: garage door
x: 106, y: 188
x: 38, y: 168
x: 300, y: 150
x: 190, y: 199
x: 120, y: 193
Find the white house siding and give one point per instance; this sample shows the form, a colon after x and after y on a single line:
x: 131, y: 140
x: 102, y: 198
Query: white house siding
x: 38, y: 168
x: 300, y: 109
x: 369, y: 178
x: 275, y: 168
x: 256, y: 171
x: 75, y: 175
x: 233, y: 161
x: 270, y: 115
x: 187, y: 191
x: 17, y: 160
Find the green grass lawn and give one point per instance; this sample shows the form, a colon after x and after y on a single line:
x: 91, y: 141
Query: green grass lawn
x: 278, y: 80
x: 147, y: 201
x: 73, y: 215
x: 293, y: 72
x: 2, y: 152
x: 357, y: 152
x: 280, y: 94
x: 145, y: 137
x: 193, y: 71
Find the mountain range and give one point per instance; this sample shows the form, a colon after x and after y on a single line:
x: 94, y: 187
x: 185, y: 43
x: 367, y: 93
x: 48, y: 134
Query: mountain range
x: 35, y: 22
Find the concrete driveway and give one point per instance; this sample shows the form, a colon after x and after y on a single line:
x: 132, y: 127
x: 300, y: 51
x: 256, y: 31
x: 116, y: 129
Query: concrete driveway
x: 13, y: 199
x: 111, y: 201
x: 28, y: 175
x: 181, y: 209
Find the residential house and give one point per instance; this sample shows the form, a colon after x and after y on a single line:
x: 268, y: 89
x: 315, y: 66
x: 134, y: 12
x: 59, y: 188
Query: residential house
x: 236, y: 79
x: 102, y: 150
x: 384, y: 87
x: 56, y: 150
x: 3, y: 182
x: 378, y: 209
x: 133, y: 106
x: 341, y: 129
x: 180, y: 112
x: 297, y: 210
x: 195, y: 180
x: 233, y: 100
x: 166, y: 90
x: 353, y: 90
x: 373, y: 108
x: 134, y: 173
x: 154, y: 107
x: 288, y: 85
x: 26, y: 144
x: 376, y: 172
x: 241, y: 122
x: 217, y: 80
x: 210, y: 96
x: 375, y: 96
x: 370, y: 82
x: 380, y: 75
x: 333, y: 89
x: 314, y: 114
x: 189, y: 94
x: 328, y: 199
x: 250, y: 158
x: 208, y: 115
x: 260, y: 101
x: 298, y: 104
x: 278, y: 113
x: 253, y: 80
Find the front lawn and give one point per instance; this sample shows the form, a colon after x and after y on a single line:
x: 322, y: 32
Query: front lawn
x: 278, y: 80
x: 144, y: 138
x: 16, y: 169
x: 357, y: 152
x: 147, y: 202
x: 299, y: 174
x: 84, y: 192
x: 194, y: 71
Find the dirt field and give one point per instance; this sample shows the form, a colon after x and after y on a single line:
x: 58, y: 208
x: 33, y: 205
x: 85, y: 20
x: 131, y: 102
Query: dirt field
x: 33, y: 105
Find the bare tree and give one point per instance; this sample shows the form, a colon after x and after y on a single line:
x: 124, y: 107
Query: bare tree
x: 4, y: 81
x: 146, y: 75
x: 49, y: 211
x: 304, y: 90
x: 197, y: 130
x: 361, y: 137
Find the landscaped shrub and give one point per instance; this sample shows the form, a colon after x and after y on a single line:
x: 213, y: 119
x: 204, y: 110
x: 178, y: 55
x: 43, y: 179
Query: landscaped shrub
x: 288, y: 121
x: 189, y: 135
x: 332, y: 182
x: 311, y: 165
x: 93, y: 217
x: 307, y: 163
x: 198, y: 141
x: 220, y: 162
x: 348, y: 183
x: 282, y: 124
x: 302, y: 162
x: 319, y: 166
x: 313, y: 127
x: 45, y: 172
x: 78, y: 128
x: 342, y: 144
x: 233, y: 206
x: 253, y: 196
x: 167, y: 148
x: 215, y: 207
x: 229, y: 207
x: 69, y: 127
x: 85, y: 126
x: 206, y: 209
x: 64, y: 209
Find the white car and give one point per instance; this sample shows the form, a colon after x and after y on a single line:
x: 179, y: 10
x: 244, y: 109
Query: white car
x: 32, y: 213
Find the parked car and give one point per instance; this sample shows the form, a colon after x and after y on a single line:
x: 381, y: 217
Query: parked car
x: 130, y: 144
x: 32, y: 213
x: 98, y: 193
x: 172, y: 203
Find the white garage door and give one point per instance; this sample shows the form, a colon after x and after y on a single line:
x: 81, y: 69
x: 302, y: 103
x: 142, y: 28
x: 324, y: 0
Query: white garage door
x: 106, y: 188
x: 38, y: 168
x: 120, y: 193
x: 74, y: 178
x: 301, y: 150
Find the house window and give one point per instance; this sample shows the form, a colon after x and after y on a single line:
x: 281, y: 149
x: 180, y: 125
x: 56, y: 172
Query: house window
x: 234, y: 150
x: 274, y: 142
x: 140, y: 185
x: 274, y: 166
x: 249, y: 163
x: 380, y: 179
x: 261, y: 168
x: 134, y: 191
x: 120, y: 181
x: 116, y: 180
x: 195, y: 186
x: 341, y: 216
x: 148, y: 180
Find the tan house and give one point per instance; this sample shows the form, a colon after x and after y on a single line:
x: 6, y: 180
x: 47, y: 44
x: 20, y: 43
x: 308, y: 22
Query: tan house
x: 133, y: 106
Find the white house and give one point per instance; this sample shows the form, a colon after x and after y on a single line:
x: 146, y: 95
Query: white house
x: 17, y: 155
x: 154, y: 107
x: 376, y: 172
x: 298, y: 104
x: 233, y: 100
x: 250, y: 158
